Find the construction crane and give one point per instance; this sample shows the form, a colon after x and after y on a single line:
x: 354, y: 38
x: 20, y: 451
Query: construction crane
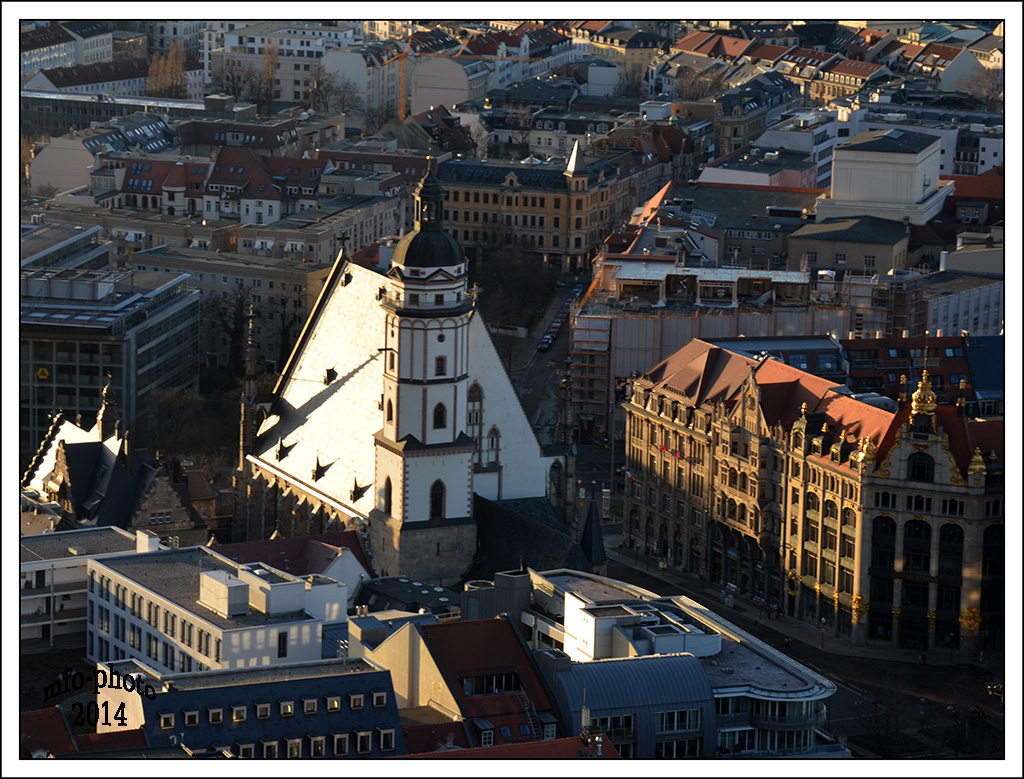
x: 401, y: 58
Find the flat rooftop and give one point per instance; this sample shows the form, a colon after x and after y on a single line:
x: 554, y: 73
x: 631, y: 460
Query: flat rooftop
x: 214, y: 678
x: 87, y: 542
x: 595, y: 591
x: 175, y: 575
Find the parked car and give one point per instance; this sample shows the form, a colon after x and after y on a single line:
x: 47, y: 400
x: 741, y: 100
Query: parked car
x: 545, y: 344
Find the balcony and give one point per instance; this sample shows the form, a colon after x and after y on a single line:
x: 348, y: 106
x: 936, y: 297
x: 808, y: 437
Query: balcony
x: 814, y: 720
x: 58, y: 589
x: 41, y: 616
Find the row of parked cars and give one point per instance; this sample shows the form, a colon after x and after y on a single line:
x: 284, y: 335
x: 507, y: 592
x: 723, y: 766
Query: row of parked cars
x: 559, y: 320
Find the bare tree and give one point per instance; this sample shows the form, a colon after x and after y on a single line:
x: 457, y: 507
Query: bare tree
x: 631, y: 80
x: 232, y: 77
x: 323, y: 88
x: 228, y: 317
x: 269, y: 75
x: 373, y: 118
x: 481, y: 139
x: 691, y: 84
x: 986, y: 86
x: 519, y: 125
x: 167, y: 413
x: 349, y: 98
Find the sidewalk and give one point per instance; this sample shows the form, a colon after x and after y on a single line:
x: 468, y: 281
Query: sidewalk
x: 745, y: 612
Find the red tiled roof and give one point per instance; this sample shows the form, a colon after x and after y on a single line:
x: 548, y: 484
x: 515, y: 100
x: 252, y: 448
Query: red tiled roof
x: 305, y: 554
x: 784, y: 388
x: 724, y: 46
x: 163, y: 173
x: 701, y: 373
x: 111, y: 740
x: 261, y: 176
x: 850, y: 67
x: 483, y: 646
x: 987, y: 185
x: 766, y: 51
x: 45, y: 729
x: 691, y: 41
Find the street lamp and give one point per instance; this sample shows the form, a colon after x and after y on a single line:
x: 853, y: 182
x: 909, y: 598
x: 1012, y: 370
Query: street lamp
x: 822, y: 632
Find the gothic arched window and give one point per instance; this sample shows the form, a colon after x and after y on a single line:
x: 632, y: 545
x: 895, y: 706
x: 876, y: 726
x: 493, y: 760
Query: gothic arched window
x: 493, y: 445
x: 387, y: 496
x: 437, y: 500
x: 440, y: 417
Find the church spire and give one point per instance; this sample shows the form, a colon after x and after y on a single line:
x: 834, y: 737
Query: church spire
x: 575, y: 158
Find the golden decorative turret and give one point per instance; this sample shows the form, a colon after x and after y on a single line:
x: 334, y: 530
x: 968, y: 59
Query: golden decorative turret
x: 903, y: 388
x: 923, y: 400
x: 824, y: 427
x: 977, y: 464
x: 865, y: 454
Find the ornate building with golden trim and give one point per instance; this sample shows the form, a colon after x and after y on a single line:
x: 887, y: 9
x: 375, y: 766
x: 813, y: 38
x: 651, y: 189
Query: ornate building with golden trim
x: 769, y: 481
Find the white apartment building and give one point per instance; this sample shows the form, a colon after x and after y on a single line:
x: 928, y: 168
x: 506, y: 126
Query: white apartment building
x: 211, y: 39
x: 53, y: 583
x: 812, y: 132
x: 163, y: 34
x: 299, y: 47
x: 193, y: 609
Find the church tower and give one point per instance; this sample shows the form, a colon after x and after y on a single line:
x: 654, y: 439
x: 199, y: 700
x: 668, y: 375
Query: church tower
x: 422, y: 522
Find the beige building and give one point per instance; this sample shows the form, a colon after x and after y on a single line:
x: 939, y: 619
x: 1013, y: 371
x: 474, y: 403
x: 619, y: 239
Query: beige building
x: 864, y: 244
x: 765, y: 480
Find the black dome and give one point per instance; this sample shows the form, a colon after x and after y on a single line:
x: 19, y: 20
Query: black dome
x: 431, y: 249
x: 428, y: 245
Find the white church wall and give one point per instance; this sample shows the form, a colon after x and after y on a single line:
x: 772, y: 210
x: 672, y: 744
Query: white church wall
x: 525, y: 469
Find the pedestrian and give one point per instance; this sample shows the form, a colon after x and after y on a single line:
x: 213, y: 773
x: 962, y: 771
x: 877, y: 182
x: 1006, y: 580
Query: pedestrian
x: 778, y: 611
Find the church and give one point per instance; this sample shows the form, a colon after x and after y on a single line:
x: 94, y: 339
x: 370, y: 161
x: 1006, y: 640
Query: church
x: 394, y: 416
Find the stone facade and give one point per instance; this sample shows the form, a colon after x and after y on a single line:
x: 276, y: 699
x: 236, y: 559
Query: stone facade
x: 887, y: 527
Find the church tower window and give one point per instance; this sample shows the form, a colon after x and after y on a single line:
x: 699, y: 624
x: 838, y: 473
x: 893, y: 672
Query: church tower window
x: 439, y: 365
x: 437, y: 500
x: 387, y: 496
x: 440, y: 416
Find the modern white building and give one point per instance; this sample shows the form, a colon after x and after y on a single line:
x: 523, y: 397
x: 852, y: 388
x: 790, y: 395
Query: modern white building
x: 192, y: 609
x: 661, y: 677
x: 891, y: 174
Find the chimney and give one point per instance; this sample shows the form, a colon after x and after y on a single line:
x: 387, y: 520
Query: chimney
x: 146, y: 541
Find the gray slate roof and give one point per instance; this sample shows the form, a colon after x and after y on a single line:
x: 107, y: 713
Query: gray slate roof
x: 889, y: 141
x: 860, y: 229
